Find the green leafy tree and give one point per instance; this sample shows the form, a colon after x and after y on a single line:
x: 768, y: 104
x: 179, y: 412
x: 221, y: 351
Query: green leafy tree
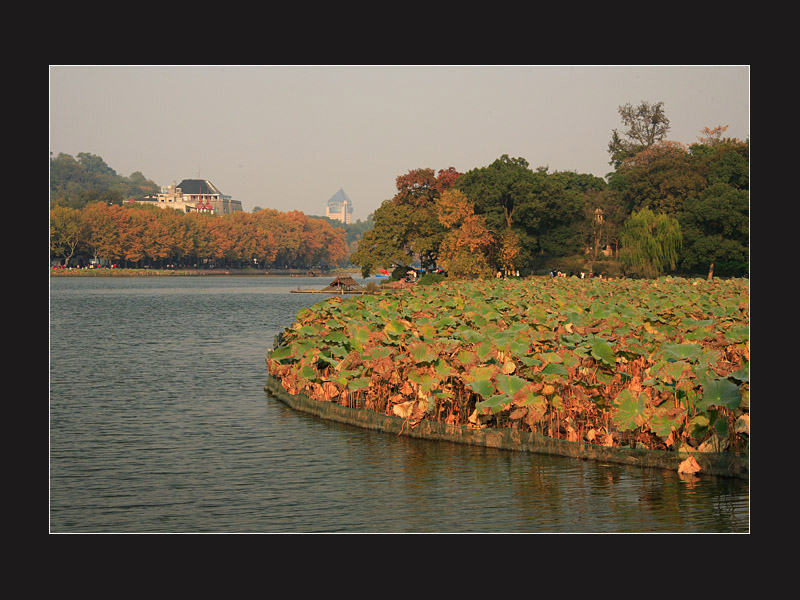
x: 715, y: 228
x: 646, y: 124
x: 651, y: 243
x: 660, y: 178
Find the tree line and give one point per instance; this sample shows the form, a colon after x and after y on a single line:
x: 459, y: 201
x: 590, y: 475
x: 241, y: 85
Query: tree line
x: 665, y: 207
x: 135, y: 235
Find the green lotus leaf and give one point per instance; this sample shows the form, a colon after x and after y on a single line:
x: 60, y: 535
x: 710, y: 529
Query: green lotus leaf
x: 493, y: 404
x: 530, y: 361
x: 602, y: 351
x: 308, y: 330
x: 682, y: 351
x: 664, y: 420
x: 698, y: 425
x: 555, y: 369
x: 358, y: 383
x: 483, y: 387
x: 630, y: 409
x: 484, y: 349
x: 309, y: 373
x: 359, y: 335
x: 471, y: 336
x: 422, y: 353
x: 443, y: 369
x: 738, y: 333
x: 336, y: 337
x: 719, y: 392
x: 282, y: 353
x: 395, y: 327
x: 510, y: 384
x: 551, y: 357
x: 742, y: 374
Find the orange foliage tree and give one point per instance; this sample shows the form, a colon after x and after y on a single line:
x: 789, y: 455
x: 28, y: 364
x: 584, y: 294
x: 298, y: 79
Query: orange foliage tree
x: 148, y: 236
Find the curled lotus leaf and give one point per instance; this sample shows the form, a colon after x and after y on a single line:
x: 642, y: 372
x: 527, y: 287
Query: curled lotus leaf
x: 602, y: 351
x: 281, y: 354
x: 493, y: 404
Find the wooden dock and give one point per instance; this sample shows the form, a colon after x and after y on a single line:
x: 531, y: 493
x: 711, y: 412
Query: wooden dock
x: 340, y: 285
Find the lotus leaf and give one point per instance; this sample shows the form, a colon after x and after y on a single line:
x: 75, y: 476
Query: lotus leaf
x: 396, y: 327
x: 336, y: 337
x: 683, y: 351
x: 422, y: 353
x: 719, y: 392
x: 510, y: 384
x: 603, y: 352
x: 483, y: 387
x: 494, y: 404
x: 281, y: 353
x: 630, y: 409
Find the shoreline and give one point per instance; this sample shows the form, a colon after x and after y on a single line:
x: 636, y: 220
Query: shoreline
x: 724, y: 464
x: 104, y: 272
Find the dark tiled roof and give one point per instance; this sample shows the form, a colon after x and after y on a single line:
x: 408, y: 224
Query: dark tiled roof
x: 198, y: 186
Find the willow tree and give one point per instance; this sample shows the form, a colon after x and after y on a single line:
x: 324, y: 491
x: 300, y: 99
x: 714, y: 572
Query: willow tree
x: 650, y: 243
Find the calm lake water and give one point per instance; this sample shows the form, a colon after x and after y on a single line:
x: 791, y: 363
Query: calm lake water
x: 159, y: 422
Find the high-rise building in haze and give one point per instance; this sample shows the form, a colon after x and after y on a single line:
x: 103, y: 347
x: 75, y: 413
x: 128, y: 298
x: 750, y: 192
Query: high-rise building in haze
x: 340, y: 208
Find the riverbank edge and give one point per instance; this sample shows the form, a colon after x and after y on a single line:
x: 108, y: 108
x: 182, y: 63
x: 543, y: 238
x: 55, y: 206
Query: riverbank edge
x: 724, y: 464
x: 104, y: 272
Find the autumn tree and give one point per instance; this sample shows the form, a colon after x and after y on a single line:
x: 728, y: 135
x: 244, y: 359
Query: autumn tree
x: 406, y: 227
x: 68, y: 231
x: 466, y: 246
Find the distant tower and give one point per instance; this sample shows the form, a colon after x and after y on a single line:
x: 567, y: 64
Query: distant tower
x: 340, y: 208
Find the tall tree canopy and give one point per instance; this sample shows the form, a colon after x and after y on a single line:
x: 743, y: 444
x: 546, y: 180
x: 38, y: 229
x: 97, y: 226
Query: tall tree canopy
x: 646, y: 124
x: 406, y: 227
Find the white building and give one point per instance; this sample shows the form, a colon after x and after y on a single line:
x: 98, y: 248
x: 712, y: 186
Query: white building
x: 194, y: 195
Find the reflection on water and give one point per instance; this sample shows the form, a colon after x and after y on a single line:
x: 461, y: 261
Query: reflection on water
x: 159, y: 423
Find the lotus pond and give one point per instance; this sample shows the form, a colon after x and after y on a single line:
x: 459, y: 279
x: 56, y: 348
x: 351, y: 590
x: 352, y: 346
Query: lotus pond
x: 658, y: 364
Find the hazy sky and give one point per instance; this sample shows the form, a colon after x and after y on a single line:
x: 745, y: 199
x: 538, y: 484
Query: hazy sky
x: 289, y: 137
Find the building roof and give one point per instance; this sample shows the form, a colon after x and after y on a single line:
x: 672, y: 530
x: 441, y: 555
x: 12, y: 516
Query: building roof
x: 340, y: 198
x: 198, y: 186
